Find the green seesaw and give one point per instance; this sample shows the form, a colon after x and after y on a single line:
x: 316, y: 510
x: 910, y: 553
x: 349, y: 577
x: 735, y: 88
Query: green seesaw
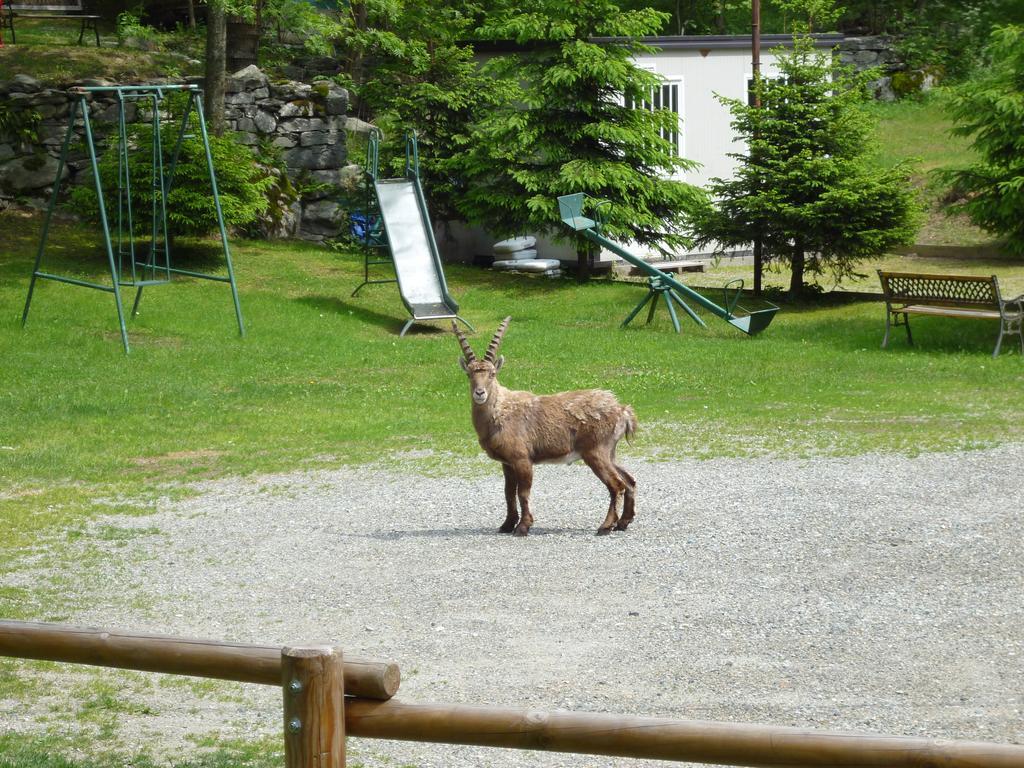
x: 662, y: 284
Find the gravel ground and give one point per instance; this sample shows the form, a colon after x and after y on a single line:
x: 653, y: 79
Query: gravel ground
x: 877, y: 593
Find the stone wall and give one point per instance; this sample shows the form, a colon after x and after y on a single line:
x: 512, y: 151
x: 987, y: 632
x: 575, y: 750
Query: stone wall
x: 307, y: 123
x: 878, y: 51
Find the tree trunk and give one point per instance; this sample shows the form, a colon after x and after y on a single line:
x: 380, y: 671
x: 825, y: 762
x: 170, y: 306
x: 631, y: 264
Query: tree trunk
x: 216, y: 34
x: 584, y: 262
x: 356, y: 62
x: 796, y: 275
x: 191, y: 15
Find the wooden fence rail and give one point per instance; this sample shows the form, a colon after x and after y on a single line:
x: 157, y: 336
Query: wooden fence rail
x: 318, y: 714
x: 178, y: 656
x: 661, y: 739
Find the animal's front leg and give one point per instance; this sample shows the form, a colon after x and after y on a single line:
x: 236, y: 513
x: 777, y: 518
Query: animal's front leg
x: 512, y: 516
x: 605, y: 470
x: 524, y: 481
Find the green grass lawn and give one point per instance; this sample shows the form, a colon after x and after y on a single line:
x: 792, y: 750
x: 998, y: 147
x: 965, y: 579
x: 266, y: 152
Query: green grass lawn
x: 323, y: 378
x: 48, y: 51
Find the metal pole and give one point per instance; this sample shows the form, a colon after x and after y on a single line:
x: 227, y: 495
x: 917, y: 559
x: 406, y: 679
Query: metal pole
x: 220, y: 214
x: 115, y: 276
x: 160, y: 187
x: 755, y: 44
x: 50, y: 208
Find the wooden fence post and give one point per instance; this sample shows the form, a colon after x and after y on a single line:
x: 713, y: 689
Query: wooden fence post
x: 313, y: 680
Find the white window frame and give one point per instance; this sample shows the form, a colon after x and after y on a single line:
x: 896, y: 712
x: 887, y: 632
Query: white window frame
x: 678, y: 82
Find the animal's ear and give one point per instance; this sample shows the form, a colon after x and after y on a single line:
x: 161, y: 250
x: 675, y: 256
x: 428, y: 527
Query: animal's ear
x: 498, y: 363
x: 464, y: 364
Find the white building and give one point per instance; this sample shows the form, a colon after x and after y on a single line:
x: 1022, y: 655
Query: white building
x: 693, y: 69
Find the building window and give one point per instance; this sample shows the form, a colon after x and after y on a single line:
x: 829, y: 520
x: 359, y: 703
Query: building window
x: 667, y: 96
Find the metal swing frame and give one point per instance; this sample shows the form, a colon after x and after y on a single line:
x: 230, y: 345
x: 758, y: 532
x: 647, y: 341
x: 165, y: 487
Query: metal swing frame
x: 128, y: 269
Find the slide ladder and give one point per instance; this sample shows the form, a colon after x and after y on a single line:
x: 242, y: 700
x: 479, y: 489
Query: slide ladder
x: 662, y: 284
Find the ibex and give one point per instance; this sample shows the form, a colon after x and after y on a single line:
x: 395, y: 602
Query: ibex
x: 521, y: 429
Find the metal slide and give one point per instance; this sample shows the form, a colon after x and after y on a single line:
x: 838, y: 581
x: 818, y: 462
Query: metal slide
x: 421, y: 282
x: 660, y: 283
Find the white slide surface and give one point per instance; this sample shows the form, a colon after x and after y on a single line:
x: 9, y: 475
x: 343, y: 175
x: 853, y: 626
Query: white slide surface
x: 416, y: 266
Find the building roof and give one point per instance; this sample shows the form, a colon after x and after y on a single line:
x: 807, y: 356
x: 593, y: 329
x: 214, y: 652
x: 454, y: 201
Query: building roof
x: 675, y: 42
x: 719, y: 42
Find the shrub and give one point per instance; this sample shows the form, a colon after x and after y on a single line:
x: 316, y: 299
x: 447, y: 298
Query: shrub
x: 241, y: 181
x: 19, y: 126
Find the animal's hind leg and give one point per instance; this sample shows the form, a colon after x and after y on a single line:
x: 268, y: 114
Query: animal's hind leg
x: 605, y: 470
x: 629, y: 504
x: 512, y: 515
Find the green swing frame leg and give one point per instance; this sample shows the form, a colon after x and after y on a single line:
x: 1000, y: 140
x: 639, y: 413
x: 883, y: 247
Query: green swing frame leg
x: 671, y: 294
x: 36, y: 273
x: 656, y: 289
x: 651, y: 295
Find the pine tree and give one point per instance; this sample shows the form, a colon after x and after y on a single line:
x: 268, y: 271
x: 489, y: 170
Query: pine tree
x: 411, y: 69
x: 571, y: 127
x: 990, y: 109
x: 806, y: 182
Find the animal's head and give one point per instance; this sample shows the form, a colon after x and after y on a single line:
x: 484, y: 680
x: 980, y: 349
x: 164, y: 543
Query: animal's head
x: 483, y: 374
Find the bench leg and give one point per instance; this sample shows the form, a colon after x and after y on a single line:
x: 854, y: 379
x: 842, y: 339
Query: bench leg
x: 893, y: 319
x: 1007, y: 327
x: 89, y: 24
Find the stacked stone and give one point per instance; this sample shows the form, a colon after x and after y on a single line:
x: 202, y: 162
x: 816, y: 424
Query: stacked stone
x: 27, y: 172
x: 876, y: 51
x: 307, y: 122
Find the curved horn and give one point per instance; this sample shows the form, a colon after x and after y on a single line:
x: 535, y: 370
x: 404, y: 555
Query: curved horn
x: 492, y: 348
x: 467, y: 351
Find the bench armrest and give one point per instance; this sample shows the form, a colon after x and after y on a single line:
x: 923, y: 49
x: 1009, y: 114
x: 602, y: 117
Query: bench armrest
x: 1018, y: 300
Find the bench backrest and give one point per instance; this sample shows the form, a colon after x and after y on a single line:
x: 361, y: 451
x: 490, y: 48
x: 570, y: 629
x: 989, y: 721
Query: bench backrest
x: 66, y: 6
x: 944, y: 290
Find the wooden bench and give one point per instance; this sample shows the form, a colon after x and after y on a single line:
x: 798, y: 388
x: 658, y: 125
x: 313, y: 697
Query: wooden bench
x: 69, y: 10
x: 677, y: 266
x: 908, y: 293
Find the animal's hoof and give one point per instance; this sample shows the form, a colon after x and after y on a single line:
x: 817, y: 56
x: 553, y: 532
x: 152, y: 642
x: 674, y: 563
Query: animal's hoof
x: 521, y: 530
x: 603, y: 531
x: 507, y: 528
x: 621, y: 526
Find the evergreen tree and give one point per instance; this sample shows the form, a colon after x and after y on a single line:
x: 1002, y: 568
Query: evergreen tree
x: 990, y: 109
x: 571, y: 127
x: 411, y: 69
x: 806, y: 182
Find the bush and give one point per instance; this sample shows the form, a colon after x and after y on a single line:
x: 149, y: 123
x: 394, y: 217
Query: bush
x: 906, y: 84
x: 18, y: 126
x: 241, y: 181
